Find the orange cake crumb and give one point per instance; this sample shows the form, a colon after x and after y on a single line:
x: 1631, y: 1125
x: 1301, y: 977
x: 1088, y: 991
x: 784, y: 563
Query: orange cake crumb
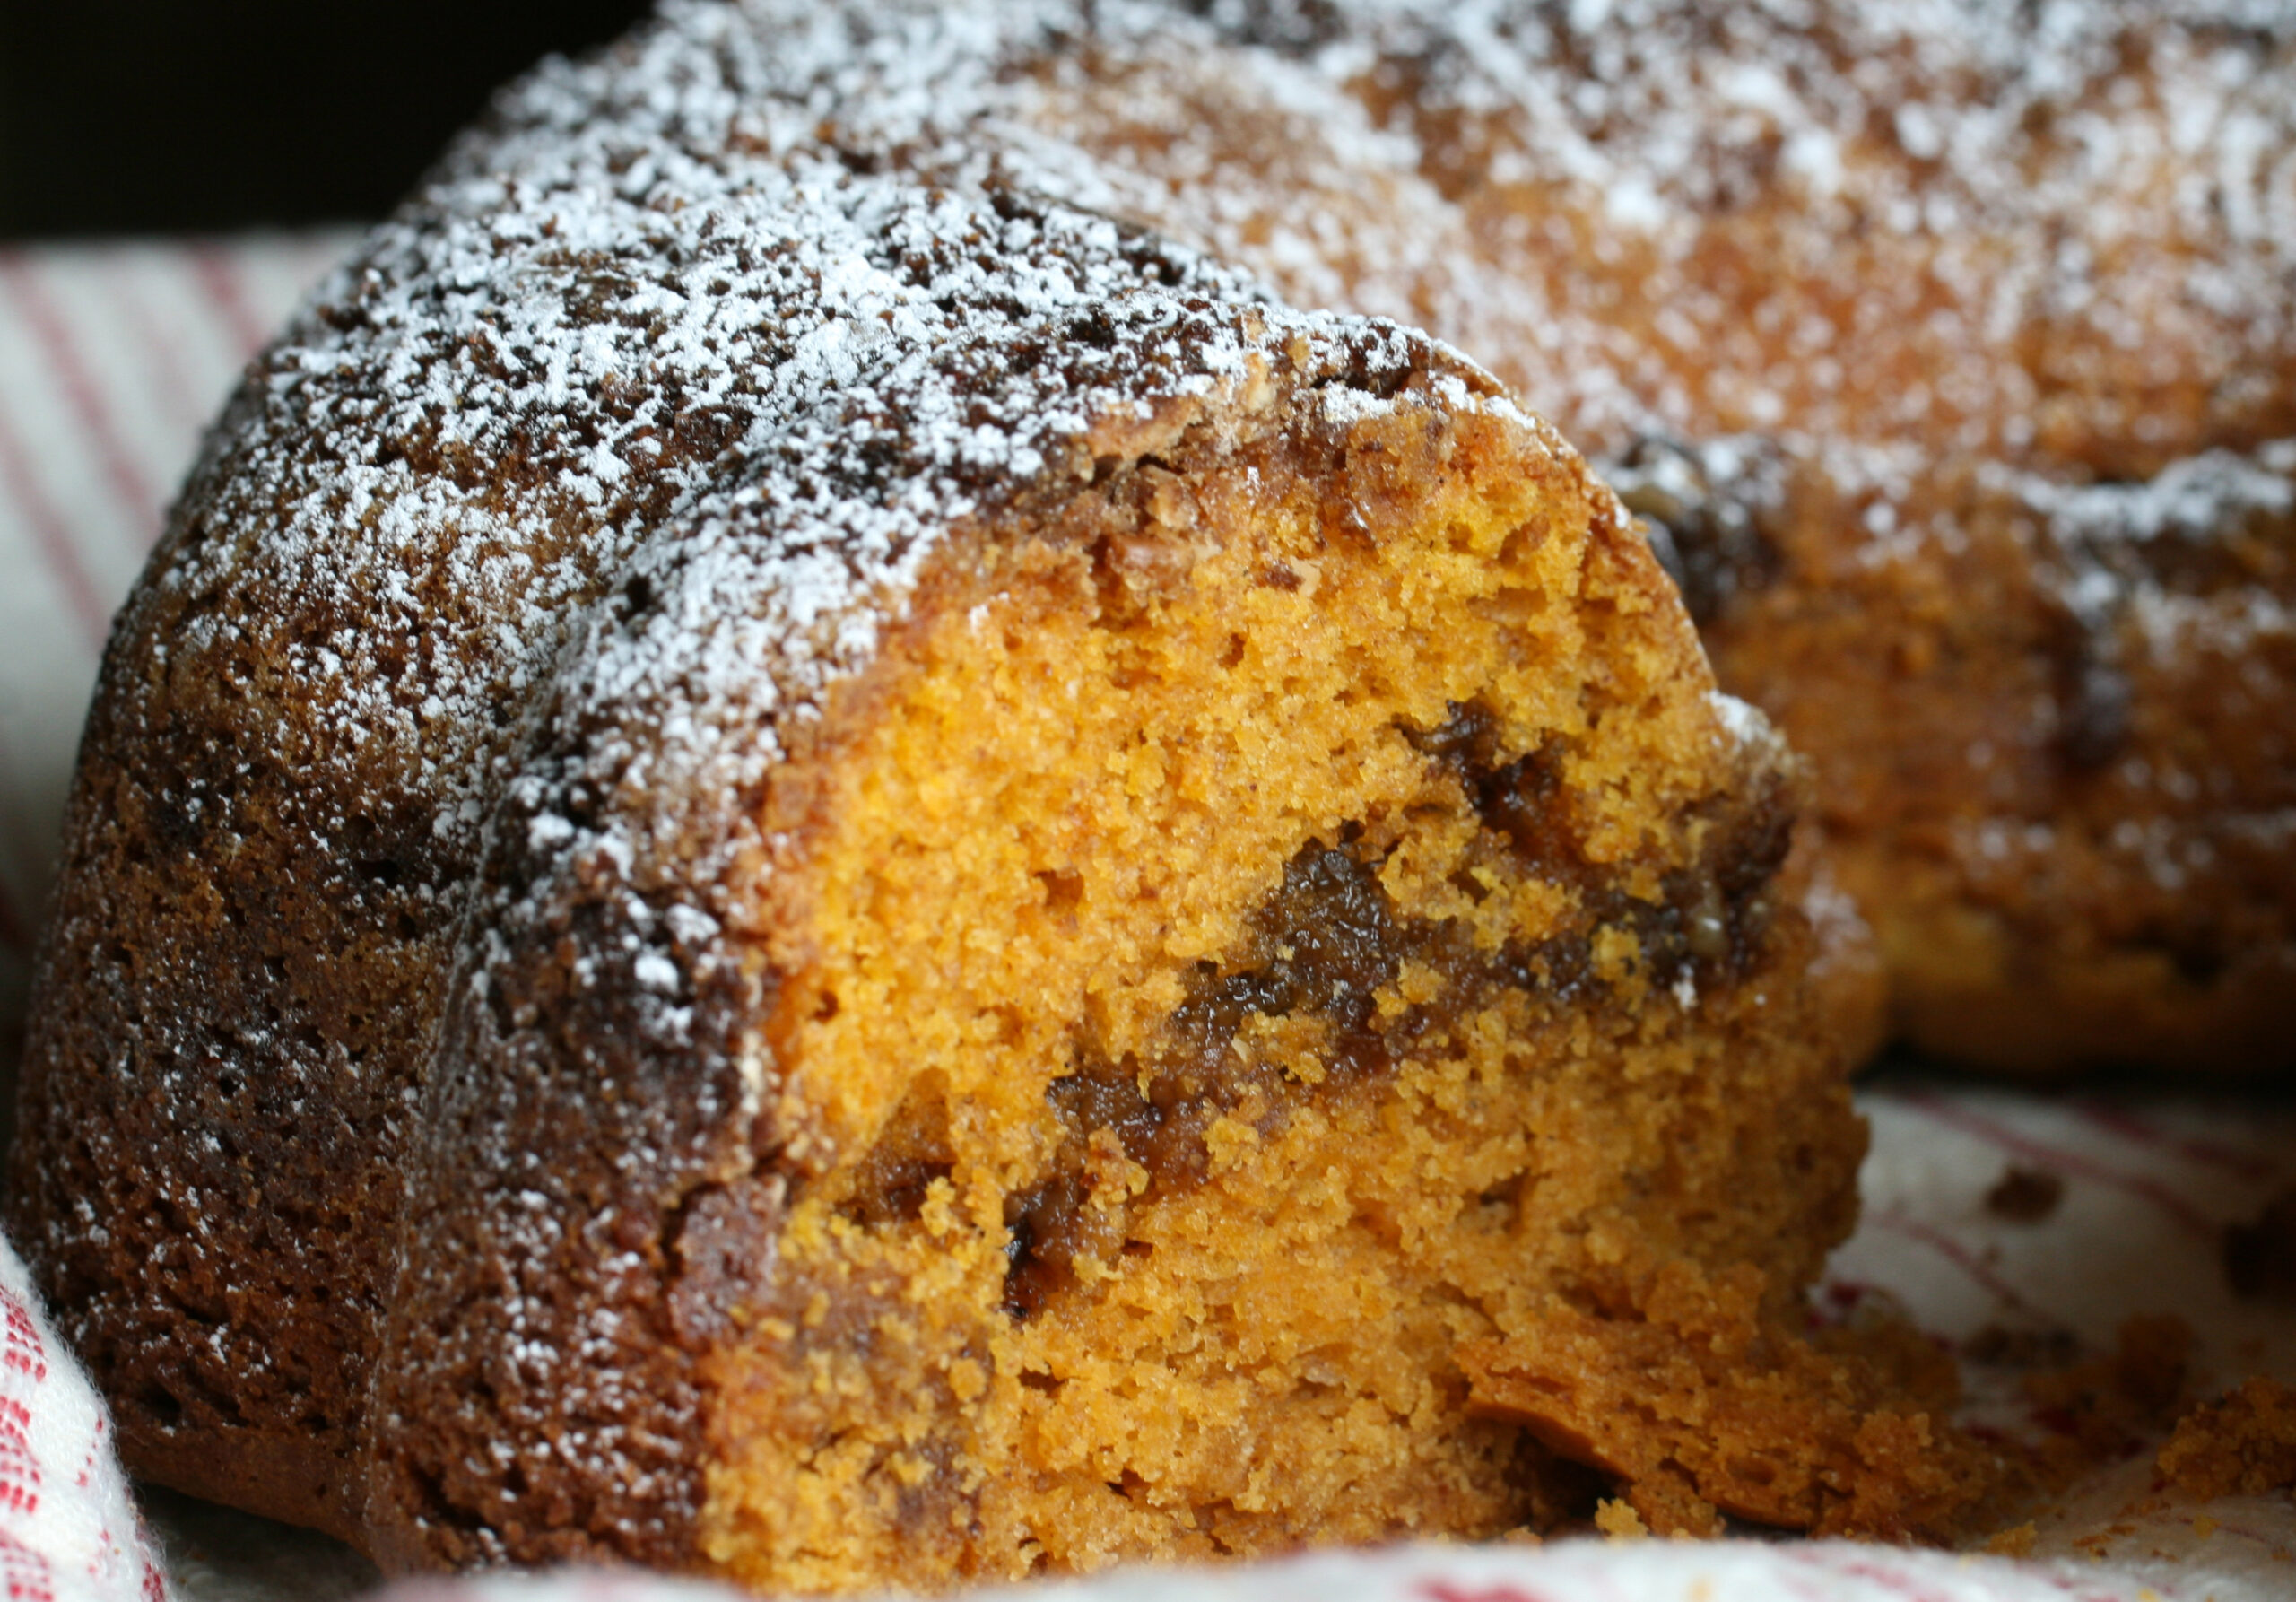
x: 2243, y: 1445
x: 1703, y: 1404
x: 1369, y: 944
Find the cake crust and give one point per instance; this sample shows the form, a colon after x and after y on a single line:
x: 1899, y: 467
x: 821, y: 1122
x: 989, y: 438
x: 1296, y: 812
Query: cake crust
x: 606, y: 1003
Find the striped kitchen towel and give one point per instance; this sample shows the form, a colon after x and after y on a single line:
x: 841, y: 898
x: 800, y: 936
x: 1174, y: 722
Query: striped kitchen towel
x: 68, y: 1529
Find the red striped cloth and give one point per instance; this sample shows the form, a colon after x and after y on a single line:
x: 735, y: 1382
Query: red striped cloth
x: 68, y: 1529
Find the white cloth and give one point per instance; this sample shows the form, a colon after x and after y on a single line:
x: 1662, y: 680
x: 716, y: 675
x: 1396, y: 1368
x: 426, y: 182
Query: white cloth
x: 68, y: 1529
x: 1566, y: 1571
x: 113, y: 358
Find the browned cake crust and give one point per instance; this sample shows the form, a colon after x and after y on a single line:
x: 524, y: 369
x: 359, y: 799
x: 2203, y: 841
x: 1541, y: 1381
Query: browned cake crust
x: 801, y: 864
x: 1951, y: 351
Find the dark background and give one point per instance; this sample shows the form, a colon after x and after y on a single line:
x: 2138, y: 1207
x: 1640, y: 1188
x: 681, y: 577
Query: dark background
x: 202, y: 115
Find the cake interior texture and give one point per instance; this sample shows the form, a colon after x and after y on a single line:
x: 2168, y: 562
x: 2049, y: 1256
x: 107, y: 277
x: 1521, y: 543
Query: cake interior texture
x: 1315, y: 919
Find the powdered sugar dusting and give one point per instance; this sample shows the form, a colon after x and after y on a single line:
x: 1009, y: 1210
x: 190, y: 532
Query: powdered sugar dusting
x: 1742, y: 721
x: 650, y: 333
x: 1961, y: 210
x: 2050, y: 241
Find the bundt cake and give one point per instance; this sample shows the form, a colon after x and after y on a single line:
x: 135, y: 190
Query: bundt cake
x: 801, y: 864
x: 1949, y: 350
